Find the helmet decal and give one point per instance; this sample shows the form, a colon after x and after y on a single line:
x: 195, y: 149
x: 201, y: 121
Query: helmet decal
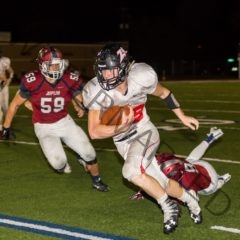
x: 122, y: 53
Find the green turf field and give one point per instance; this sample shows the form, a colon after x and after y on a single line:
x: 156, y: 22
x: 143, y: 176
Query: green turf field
x: 31, y: 189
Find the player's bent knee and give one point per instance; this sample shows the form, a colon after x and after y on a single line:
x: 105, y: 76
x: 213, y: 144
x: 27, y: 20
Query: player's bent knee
x: 88, y: 156
x: 58, y: 164
x: 129, y: 171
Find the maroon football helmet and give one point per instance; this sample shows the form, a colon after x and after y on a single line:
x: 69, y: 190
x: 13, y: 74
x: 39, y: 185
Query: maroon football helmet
x: 48, y: 56
x: 171, y: 165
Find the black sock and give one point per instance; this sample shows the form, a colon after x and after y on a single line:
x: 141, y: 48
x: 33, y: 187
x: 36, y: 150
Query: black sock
x: 96, y: 178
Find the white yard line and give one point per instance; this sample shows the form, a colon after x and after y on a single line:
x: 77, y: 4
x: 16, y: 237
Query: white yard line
x: 226, y: 229
x: 50, y: 229
x: 114, y: 150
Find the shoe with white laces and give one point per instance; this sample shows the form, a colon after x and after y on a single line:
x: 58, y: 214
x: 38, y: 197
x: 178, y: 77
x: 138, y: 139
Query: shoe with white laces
x: 214, y: 134
x: 193, y: 207
x: 223, y: 179
x: 197, y: 218
x: 171, y: 211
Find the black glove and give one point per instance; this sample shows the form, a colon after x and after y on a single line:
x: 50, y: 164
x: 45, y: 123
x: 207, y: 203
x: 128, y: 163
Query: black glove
x: 7, y: 133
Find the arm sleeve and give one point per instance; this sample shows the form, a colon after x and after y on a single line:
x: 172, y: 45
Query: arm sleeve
x: 197, y: 152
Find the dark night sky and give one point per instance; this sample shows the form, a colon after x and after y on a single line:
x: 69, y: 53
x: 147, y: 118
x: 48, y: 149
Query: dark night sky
x: 174, y: 29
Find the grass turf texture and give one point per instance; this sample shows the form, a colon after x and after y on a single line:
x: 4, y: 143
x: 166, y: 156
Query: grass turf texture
x: 31, y: 189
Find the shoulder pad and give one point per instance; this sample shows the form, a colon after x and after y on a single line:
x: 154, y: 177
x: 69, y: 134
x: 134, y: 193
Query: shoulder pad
x: 32, y: 79
x: 144, y: 75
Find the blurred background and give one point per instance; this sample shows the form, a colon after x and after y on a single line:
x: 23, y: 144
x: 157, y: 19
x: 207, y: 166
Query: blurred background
x: 180, y: 39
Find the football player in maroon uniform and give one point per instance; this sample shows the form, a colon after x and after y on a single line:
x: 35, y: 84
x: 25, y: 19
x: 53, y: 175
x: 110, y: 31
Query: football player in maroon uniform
x: 192, y: 172
x: 50, y: 89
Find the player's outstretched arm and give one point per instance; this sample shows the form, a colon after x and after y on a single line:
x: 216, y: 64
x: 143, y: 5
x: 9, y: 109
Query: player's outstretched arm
x: 168, y: 97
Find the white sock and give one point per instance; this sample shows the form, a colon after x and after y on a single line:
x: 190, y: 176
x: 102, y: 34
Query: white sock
x: 162, y: 199
x: 187, y: 197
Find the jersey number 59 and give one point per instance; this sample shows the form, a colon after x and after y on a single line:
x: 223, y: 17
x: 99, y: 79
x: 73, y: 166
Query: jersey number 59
x: 52, y: 104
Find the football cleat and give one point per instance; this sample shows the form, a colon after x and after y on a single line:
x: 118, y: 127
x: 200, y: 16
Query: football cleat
x: 194, y: 208
x: 137, y: 196
x: 171, y: 212
x: 197, y: 218
x: 223, y: 179
x: 100, y: 186
x: 214, y: 134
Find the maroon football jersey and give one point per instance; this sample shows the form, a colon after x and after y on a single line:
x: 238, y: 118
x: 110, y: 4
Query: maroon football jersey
x: 189, y: 175
x: 50, y: 101
x: 196, y: 177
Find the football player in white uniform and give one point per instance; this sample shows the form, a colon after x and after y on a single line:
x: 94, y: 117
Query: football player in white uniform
x: 121, y: 81
x: 49, y: 90
x: 191, y: 172
x: 6, y: 75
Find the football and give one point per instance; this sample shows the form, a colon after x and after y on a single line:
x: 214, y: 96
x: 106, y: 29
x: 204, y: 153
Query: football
x: 113, y: 115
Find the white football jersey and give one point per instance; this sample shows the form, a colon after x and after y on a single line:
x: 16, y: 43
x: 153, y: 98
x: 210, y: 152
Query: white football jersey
x: 142, y: 80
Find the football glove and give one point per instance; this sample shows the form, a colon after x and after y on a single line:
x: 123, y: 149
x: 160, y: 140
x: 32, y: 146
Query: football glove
x: 7, y: 133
